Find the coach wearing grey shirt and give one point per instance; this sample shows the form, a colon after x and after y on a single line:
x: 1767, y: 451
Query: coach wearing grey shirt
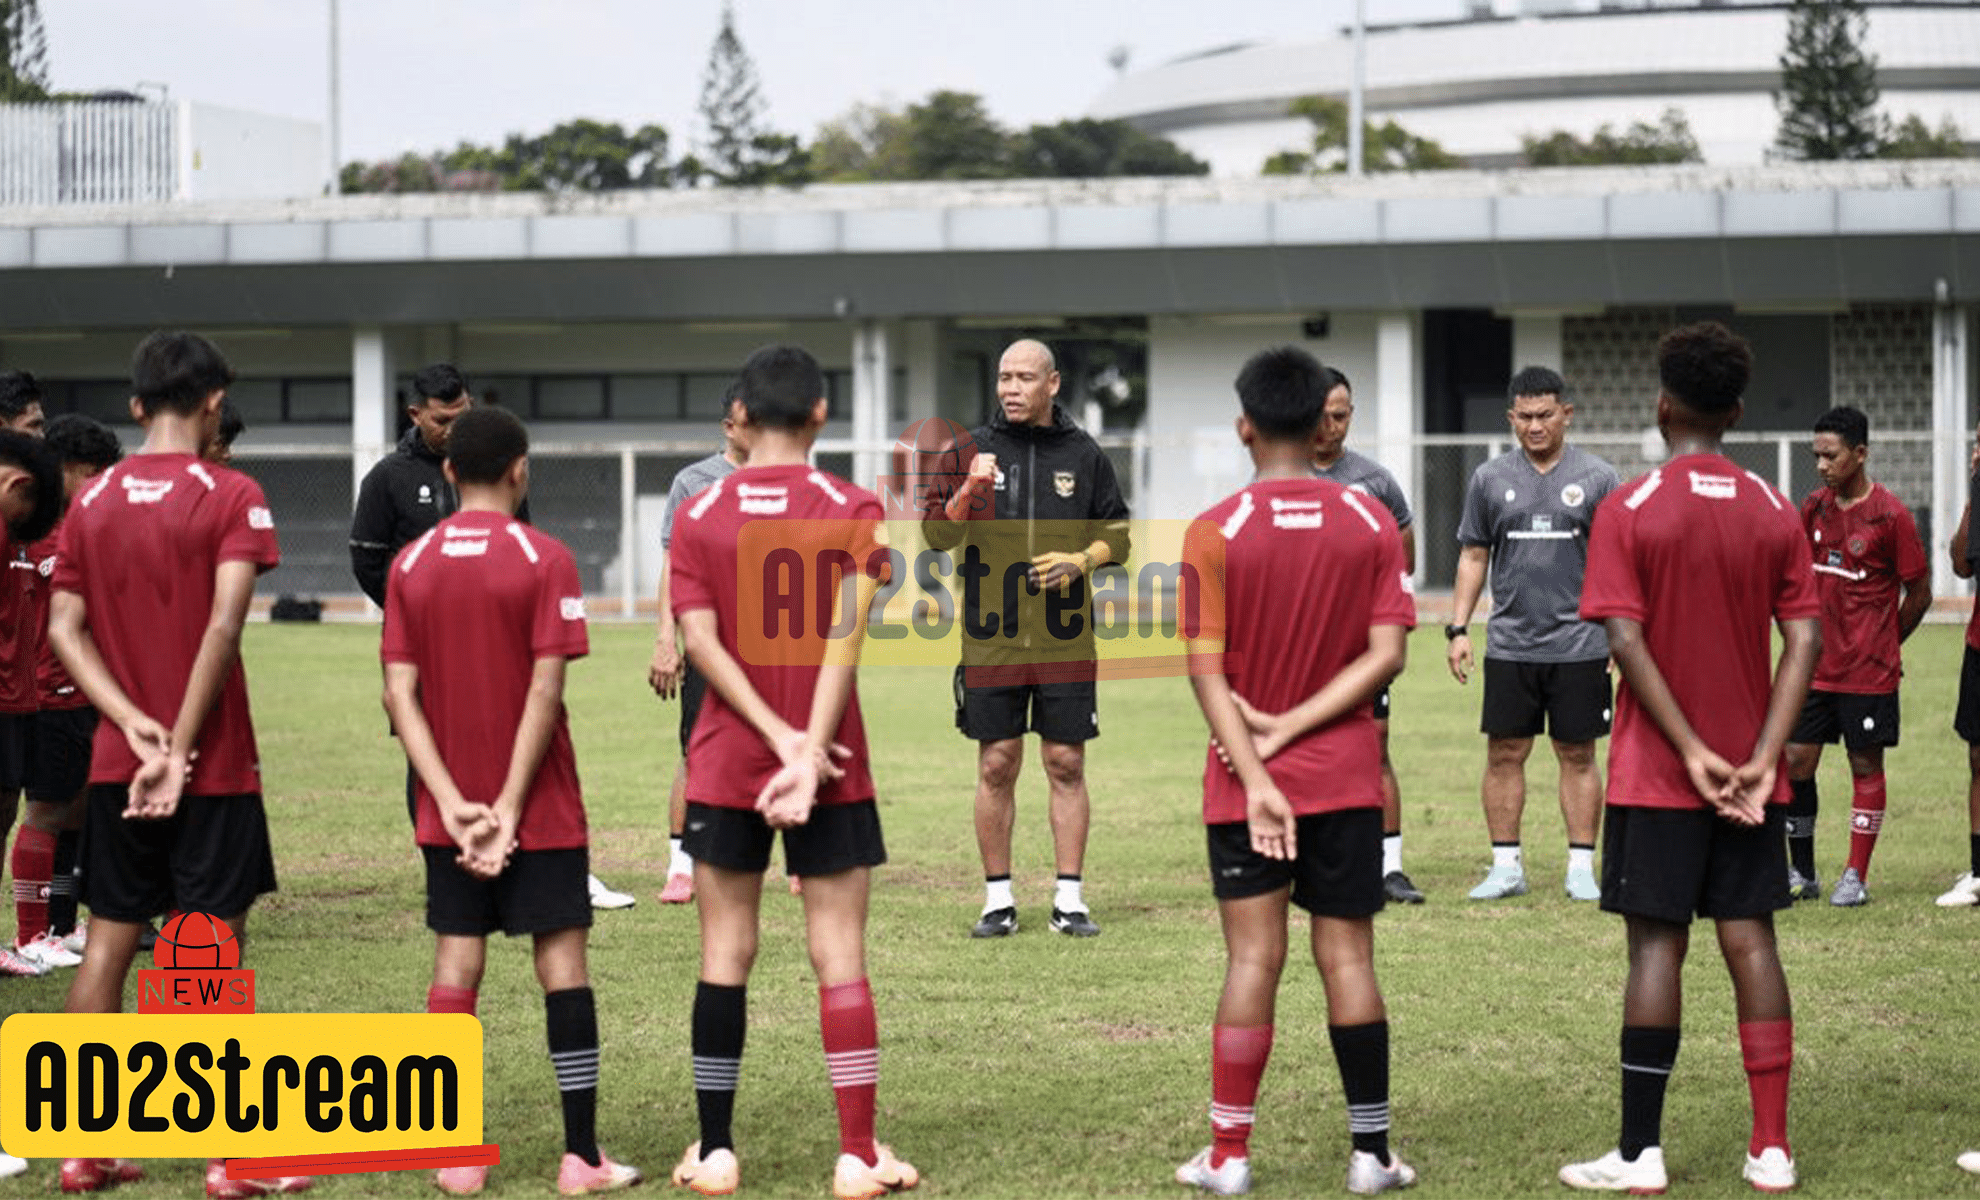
x: 1527, y: 515
x: 1358, y: 472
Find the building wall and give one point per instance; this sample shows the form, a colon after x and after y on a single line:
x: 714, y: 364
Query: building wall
x: 237, y: 155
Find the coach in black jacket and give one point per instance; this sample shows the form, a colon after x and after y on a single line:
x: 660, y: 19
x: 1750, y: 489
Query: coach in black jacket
x: 1041, y: 510
x: 407, y: 493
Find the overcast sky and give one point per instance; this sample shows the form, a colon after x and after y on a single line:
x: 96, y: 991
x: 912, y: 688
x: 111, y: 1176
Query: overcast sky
x: 425, y: 74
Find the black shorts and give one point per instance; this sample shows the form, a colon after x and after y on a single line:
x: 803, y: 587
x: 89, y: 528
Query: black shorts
x: 1570, y: 700
x: 838, y: 837
x: 1066, y: 712
x: 1382, y: 704
x: 210, y: 856
x: 58, y: 767
x: 694, y: 686
x: 16, y: 750
x: 1966, y: 719
x: 1337, y: 873
x: 1861, y: 722
x: 1669, y: 863
x: 541, y: 891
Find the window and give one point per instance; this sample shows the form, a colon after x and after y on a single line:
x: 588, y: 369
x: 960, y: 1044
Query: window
x: 570, y: 399
x: 707, y: 395
x: 319, y: 400
x: 259, y: 400
x: 646, y: 397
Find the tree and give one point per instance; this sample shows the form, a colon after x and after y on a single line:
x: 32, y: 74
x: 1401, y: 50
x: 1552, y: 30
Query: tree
x: 1828, y: 96
x: 1386, y: 147
x: 1912, y: 138
x: 1089, y: 149
x: 738, y: 149
x: 577, y: 156
x: 867, y: 142
x: 23, y: 52
x: 1668, y: 140
x: 951, y: 136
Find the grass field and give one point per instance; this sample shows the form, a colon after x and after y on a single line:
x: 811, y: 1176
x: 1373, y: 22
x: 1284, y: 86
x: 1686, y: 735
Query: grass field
x: 1043, y: 1066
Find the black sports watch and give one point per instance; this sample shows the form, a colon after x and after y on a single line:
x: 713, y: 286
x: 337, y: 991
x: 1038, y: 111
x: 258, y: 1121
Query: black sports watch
x: 1453, y: 632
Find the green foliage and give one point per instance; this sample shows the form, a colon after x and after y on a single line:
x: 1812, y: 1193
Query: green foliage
x: 581, y: 155
x: 1668, y: 140
x: 950, y: 135
x: 738, y: 149
x: 1089, y: 149
x: 1828, y: 96
x: 869, y: 142
x: 23, y: 52
x: 1386, y: 147
x: 1912, y: 138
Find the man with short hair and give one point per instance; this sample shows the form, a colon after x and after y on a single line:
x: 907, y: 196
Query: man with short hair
x: 1527, y: 515
x: 404, y: 495
x: 1040, y: 503
x: 780, y: 746
x: 153, y: 577
x: 1689, y: 566
x: 232, y: 426
x: 482, y: 616
x: 1965, y: 554
x: 1871, y: 571
x: 1360, y: 473
x: 670, y: 670
x: 44, y: 858
x: 1296, y: 816
x: 20, y: 412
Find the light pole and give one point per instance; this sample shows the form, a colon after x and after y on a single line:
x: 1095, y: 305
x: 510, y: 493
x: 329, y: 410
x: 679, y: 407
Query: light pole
x: 336, y: 151
x: 1359, y: 84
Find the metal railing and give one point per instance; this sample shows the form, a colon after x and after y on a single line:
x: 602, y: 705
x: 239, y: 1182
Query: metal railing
x: 100, y: 152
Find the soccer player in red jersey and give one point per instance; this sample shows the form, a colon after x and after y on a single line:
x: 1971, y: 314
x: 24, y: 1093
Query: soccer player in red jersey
x: 1870, y: 569
x: 44, y: 858
x: 1689, y: 567
x: 481, y: 616
x: 1965, y: 891
x: 1297, y: 815
x: 153, y: 575
x: 20, y: 412
x: 779, y: 745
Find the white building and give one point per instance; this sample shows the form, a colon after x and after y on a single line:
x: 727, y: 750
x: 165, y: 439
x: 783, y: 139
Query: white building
x: 1479, y: 82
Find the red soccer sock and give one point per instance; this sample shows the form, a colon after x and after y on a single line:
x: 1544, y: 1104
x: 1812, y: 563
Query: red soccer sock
x: 1866, y: 817
x: 852, y: 1053
x: 34, y: 869
x: 1237, y: 1062
x: 450, y: 999
x: 1767, y: 1047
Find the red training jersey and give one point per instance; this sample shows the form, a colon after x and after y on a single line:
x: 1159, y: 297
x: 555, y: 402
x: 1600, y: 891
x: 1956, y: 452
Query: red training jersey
x: 1277, y: 562
x: 1705, y: 556
x: 53, y: 689
x: 728, y: 761
x: 140, y: 545
x: 474, y: 603
x: 1862, y: 553
x: 19, y: 634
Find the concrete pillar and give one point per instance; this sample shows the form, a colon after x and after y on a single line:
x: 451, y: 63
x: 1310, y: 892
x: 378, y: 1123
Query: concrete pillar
x: 921, y: 347
x: 1397, y: 401
x: 873, y: 356
x: 1952, y: 400
x: 373, y: 419
x: 1536, y: 340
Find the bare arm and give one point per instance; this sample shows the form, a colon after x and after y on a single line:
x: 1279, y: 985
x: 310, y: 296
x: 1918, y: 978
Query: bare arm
x: 466, y: 822
x: 1957, y: 548
x: 1353, y: 685
x: 1710, y: 774
x: 726, y: 677
x: 1471, y: 566
x: 1911, y: 609
x: 1801, y: 646
x: 1273, y: 826
x: 663, y: 674
x: 156, y: 787
x: 1409, y: 549
x: 539, y: 720
x: 68, y: 633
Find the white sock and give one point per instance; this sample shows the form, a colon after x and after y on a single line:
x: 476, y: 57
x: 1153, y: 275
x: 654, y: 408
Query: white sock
x: 1581, y: 858
x: 997, y: 894
x: 1507, y: 857
x: 678, y: 862
x: 1066, y: 896
x: 1391, y: 853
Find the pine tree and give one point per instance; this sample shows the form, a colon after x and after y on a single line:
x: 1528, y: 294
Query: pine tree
x: 1828, y: 96
x: 739, y: 149
x: 23, y: 52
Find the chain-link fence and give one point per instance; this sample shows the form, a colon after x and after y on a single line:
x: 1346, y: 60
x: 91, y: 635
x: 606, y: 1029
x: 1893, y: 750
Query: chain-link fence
x: 606, y: 502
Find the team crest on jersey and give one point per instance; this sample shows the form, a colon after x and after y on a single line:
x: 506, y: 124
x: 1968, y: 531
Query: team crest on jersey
x: 46, y: 567
x: 1063, y: 482
x: 1572, y: 495
x: 1857, y: 546
x: 146, y: 491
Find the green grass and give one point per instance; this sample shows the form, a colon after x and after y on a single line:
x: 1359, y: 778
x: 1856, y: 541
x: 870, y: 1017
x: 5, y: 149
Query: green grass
x: 1044, y: 1066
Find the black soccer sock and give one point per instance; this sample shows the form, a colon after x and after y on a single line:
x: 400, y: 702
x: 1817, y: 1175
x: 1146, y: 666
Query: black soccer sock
x: 573, y: 1020
x: 62, y: 888
x: 1974, y: 850
x: 1648, y: 1053
x: 1362, y: 1053
x: 1801, y: 825
x: 721, y: 1021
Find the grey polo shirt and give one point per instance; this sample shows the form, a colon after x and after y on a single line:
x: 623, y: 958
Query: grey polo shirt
x: 693, y: 479
x: 1363, y: 474
x: 1536, y: 527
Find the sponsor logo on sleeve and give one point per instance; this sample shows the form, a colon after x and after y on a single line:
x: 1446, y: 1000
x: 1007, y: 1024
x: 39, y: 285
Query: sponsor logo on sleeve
x: 571, y: 608
x: 260, y: 518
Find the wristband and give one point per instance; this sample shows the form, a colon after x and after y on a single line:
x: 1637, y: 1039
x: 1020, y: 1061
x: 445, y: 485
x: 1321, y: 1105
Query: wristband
x: 1453, y: 632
